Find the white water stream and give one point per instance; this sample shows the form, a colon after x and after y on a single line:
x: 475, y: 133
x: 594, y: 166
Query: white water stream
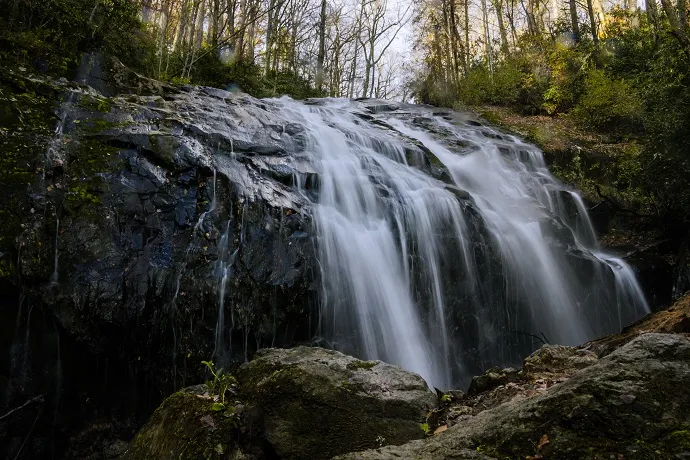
x: 396, y: 245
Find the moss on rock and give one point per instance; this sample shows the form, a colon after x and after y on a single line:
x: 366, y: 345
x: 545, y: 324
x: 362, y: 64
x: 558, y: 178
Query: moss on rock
x: 318, y: 403
x: 188, y: 426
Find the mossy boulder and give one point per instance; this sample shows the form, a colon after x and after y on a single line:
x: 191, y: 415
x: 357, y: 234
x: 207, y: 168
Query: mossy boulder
x: 315, y: 403
x: 630, y: 404
x: 190, y: 425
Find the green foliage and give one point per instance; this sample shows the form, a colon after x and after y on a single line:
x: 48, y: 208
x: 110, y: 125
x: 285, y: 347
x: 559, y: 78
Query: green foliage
x: 220, y: 384
x: 608, y: 104
x: 567, y: 66
x: 543, y: 77
x: 26, y: 125
x: 238, y: 75
x: 50, y: 35
x: 505, y: 86
x: 80, y: 194
x: 432, y: 90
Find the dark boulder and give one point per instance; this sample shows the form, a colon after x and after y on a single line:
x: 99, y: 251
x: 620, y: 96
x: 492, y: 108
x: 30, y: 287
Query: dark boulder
x: 317, y: 403
x: 301, y: 403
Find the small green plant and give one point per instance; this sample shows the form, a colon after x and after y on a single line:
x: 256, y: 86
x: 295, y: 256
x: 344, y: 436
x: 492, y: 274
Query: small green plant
x: 220, y: 384
x: 425, y: 428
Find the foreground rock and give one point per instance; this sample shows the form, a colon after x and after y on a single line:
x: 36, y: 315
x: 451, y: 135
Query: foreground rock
x: 301, y: 403
x: 188, y: 426
x: 632, y: 403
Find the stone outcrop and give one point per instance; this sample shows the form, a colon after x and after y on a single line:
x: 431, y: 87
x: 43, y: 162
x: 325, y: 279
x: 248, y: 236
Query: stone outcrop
x: 300, y: 403
x: 630, y: 404
x: 311, y: 403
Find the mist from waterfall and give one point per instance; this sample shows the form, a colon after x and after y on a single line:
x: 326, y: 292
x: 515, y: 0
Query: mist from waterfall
x: 444, y: 277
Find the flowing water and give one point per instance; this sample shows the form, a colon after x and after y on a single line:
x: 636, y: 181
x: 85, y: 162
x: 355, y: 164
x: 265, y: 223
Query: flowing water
x: 446, y: 247
x: 54, y: 278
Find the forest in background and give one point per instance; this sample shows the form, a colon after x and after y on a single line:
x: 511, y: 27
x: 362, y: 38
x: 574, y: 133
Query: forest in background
x: 618, y: 70
x: 264, y: 47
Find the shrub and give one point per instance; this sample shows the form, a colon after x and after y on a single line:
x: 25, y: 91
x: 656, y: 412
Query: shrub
x: 567, y: 65
x: 608, y: 104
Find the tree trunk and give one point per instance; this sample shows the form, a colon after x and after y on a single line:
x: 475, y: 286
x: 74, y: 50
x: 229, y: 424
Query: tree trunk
x: 510, y: 12
x: 653, y: 15
x: 215, y: 23
x: 446, y: 41
x: 679, y: 28
x: 239, y: 50
x: 592, y: 22
x: 498, y: 6
x: 573, y: 20
x: 455, y: 42
x: 322, y: 47
x: 467, y: 36
x: 485, y: 25
x: 269, y: 36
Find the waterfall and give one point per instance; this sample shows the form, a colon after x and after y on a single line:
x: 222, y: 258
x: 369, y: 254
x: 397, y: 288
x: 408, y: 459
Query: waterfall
x: 446, y: 277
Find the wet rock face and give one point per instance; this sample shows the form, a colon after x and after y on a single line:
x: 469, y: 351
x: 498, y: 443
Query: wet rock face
x: 632, y: 403
x: 552, y: 362
x: 164, y: 205
x: 143, y: 209
x: 314, y: 403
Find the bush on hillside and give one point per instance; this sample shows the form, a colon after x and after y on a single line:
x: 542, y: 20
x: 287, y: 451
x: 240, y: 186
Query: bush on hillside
x: 608, y: 104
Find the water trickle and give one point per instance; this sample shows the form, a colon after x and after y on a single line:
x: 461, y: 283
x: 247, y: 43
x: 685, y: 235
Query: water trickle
x: 213, y: 200
x: 191, y: 247
x: 52, y: 155
x: 224, y: 265
x: 54, y: 276
x: 435, y: 276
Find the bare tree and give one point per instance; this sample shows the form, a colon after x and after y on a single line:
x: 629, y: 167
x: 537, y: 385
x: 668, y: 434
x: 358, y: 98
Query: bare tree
x: 380, y: 31
x: 322, y: 47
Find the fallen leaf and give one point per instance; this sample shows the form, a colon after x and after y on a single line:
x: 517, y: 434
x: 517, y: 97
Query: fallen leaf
x: 542, y: 442
x: 441, y: 429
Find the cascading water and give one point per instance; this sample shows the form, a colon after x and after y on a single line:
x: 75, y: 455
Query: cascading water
x: 54, y: 278
x: 445, y: 277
